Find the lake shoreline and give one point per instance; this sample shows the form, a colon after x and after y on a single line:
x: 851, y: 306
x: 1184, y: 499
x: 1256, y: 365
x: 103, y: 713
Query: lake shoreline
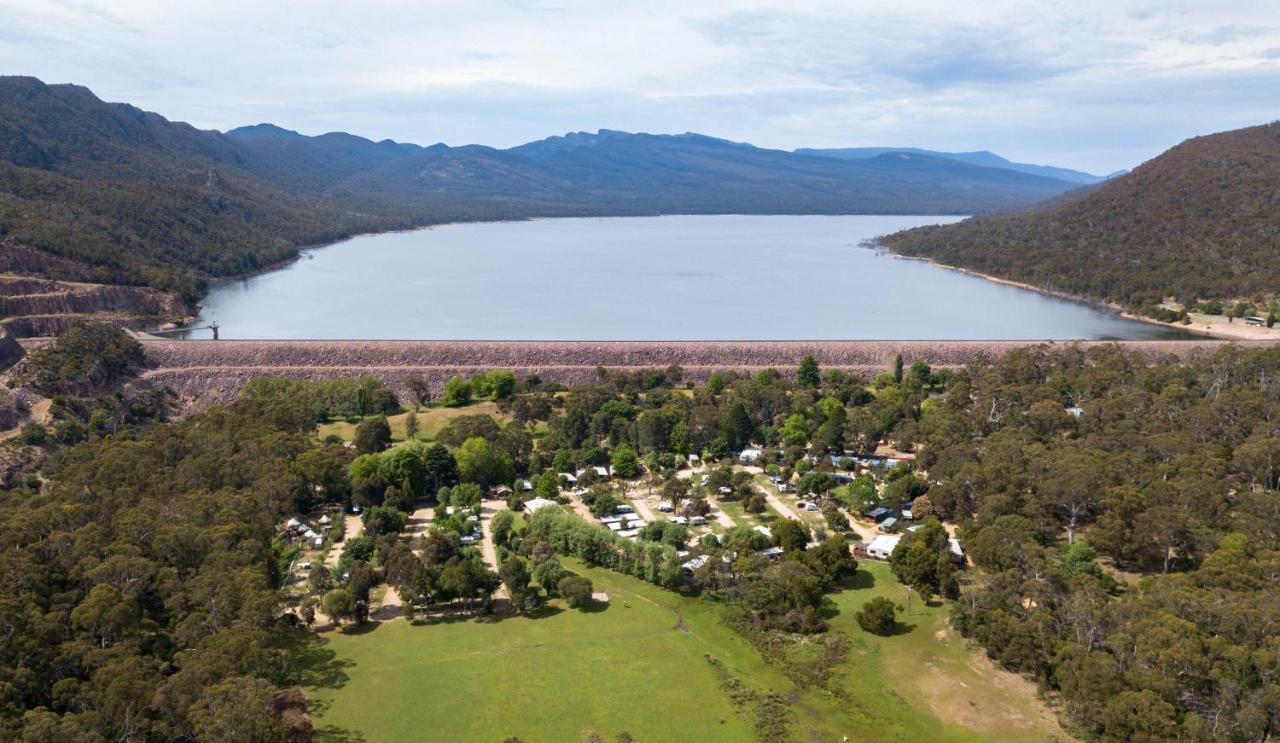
x: 1105, y: 306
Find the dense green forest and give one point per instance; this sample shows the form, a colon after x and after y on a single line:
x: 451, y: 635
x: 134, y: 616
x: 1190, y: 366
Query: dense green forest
x: 1120, y: 514
x: 109, y: 193
x: 1196, y: 223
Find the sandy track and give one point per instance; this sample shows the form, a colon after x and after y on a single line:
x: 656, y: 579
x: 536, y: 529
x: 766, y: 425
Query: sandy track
x: 725, y: 519
x: 490, y: 551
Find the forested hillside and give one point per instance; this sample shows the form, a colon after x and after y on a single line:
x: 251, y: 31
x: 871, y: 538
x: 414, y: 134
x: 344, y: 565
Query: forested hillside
x: 1199, y: 222
x: 106, y: 192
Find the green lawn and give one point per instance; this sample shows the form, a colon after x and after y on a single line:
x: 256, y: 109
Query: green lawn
x: 430, y: 421
x: 639, y: 666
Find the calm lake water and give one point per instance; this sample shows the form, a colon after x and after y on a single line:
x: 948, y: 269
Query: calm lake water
x: 643, y: 278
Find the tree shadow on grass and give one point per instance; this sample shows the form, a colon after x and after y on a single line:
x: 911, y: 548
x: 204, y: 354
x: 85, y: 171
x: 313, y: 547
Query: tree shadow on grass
x: 596, y: 607
x: 315, y: 664
x: 335, y: 734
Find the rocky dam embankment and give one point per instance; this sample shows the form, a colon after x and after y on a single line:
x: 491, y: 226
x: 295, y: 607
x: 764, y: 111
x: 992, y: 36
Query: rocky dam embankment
x: 204, y: 373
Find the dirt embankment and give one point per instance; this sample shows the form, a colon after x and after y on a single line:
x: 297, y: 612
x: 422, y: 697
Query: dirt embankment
x: 204, y: 373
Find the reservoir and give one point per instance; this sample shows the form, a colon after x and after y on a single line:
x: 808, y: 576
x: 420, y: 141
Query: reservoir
x: 726, y: 277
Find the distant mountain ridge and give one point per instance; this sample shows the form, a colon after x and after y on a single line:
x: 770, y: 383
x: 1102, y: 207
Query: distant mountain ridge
x: 983, y: 157
x: 1199, y: 222
x: 112, y: 193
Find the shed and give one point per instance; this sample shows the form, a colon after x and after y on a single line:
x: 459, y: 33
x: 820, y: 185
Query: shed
x: 533, y: 505
x: 879, y: 514
x: 889, y: 524
x: 882, y: 546
x: 773, y: 553
x: 764, y: 530
x: 749, y: 455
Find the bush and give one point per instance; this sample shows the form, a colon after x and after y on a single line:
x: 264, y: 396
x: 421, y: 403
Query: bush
x: 33, y: 434
x: 576, y: 590
x: 372, y: 435
x: 878, y: 616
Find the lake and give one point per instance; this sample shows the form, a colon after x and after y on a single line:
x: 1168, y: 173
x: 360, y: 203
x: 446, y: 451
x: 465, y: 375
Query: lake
x: 727, y: 277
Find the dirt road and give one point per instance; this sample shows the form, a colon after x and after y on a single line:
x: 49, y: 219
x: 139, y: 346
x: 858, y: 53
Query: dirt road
x: 487, y: 511
x: 353, y: 527
x: 725, y: 519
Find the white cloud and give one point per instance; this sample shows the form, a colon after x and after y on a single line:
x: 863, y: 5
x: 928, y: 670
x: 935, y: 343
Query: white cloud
x: 1091, y: 84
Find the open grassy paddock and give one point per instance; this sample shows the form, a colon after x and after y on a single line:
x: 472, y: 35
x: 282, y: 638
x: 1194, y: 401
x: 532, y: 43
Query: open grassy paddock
x: 430, y: 421
x: 640, y: 665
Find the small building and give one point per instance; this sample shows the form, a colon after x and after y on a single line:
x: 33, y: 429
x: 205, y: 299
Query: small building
x: 888, y: 524
x: 882, y: 546
x: 906, y: 514
x: 325, y: 520
x: 317, y: 543
x: 526, y: 486
x: 614, y: 526
x: 624, y: 508
x: 697, y: 520
x: 502, y: 491
x: 750, y: 455
x: 569, y: 478
x: 602, y: 472
x: 764, y: 530
x: 694, y: 460
x: 695, y: 563
x: 957, y: 553
x: 533, y: 505
x: 773, y: 553
x: 629, y: 533
x: 879, y: 514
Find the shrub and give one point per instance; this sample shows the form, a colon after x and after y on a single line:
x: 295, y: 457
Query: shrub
x: 576, y: 590
x: 878, y: 616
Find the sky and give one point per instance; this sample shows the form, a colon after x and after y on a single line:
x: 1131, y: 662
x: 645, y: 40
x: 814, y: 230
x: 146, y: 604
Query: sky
x: 1097, y: 85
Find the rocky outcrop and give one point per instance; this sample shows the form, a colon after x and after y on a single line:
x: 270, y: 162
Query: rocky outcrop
x: 11, y: 352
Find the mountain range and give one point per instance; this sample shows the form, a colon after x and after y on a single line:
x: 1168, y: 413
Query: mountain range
x: 1199, y: 222
x: 982, y: 158
x: 107, y: 192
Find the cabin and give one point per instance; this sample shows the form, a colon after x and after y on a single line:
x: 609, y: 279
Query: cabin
x: 526, y: 486
x: 750, y: 455
x: 879, y: 514
x: 569, y: 478
x: 773, y: 553
x: 624, y: 508
x: 889, y: 524
x: 764, y: 530
x: 882, y: 546
x: 317, y: 543
x: 325, y: 520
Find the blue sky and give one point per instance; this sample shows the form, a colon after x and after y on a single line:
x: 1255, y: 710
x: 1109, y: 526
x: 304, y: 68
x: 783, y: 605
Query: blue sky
x: 1078, y: 83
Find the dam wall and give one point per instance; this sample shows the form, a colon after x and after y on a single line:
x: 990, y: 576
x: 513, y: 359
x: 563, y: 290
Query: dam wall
x: 206, y: 372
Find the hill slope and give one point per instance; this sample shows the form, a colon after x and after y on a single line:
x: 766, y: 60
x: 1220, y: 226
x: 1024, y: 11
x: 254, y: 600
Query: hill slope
x: 1201, y: 221
x: 984, y: 158
x: 96, y: 191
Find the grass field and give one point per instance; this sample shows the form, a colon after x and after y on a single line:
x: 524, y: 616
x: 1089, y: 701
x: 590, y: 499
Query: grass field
x: 430, y: 421
x: 638, y: 665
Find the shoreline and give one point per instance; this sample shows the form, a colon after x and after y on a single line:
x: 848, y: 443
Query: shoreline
x: 1206, y: 330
